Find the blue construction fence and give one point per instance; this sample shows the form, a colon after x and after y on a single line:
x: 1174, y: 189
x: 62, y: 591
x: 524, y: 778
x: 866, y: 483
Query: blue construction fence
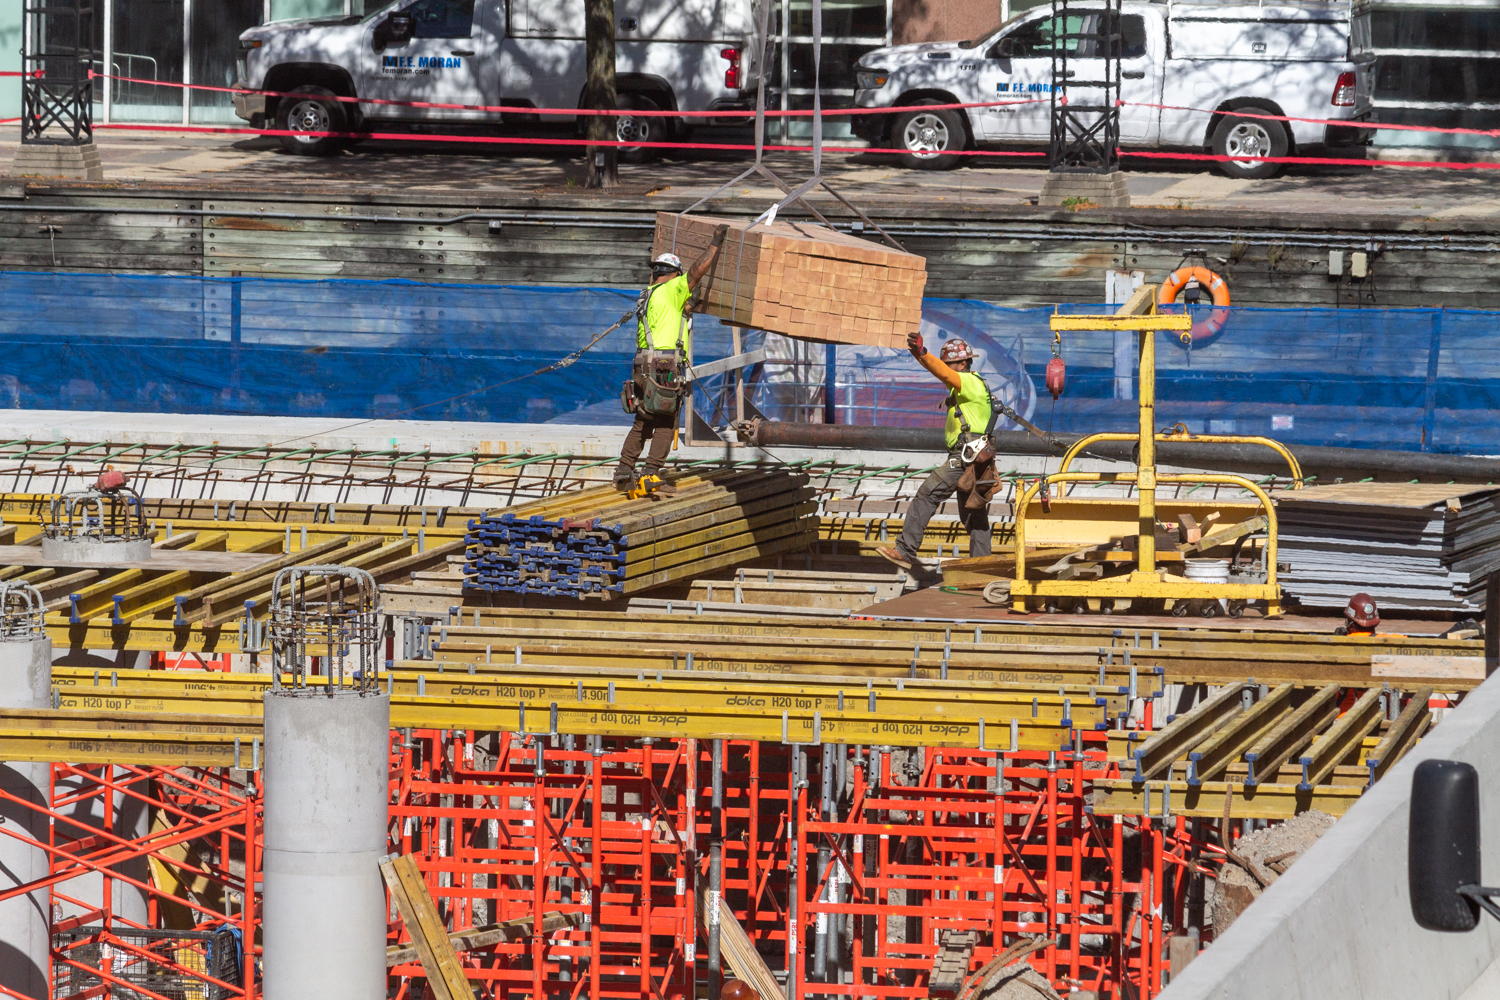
x: 1412, y: 379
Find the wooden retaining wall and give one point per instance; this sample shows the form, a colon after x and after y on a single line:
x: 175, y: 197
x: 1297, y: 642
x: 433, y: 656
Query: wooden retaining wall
x: 1019, y: 256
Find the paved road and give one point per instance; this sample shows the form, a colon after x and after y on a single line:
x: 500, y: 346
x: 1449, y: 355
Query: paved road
x: 871, y: 179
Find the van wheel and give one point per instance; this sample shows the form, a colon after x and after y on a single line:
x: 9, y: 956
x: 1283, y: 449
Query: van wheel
x: 926, y: 138
x: 303, y: 111
x: 629, y: 128
x: 1252, y: 138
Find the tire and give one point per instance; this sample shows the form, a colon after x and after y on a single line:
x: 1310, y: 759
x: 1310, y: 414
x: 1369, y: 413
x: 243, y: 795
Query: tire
x: 1240, y: 136
x: 299, y: 113
x: 925, y: 135
x: 650, y: 129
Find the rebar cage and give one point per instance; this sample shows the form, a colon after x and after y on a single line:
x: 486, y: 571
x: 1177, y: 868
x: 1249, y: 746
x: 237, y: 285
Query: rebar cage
x: 21, y: 612
x: 325, y: 620
x: 114, y: 515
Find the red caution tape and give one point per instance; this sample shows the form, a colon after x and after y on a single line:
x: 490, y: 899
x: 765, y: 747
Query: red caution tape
x: 525, y: 141
x: 1345, y: 122
x: 1327, y: 162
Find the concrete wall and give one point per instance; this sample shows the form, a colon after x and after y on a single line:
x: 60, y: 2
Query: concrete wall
x: 1338, y: 926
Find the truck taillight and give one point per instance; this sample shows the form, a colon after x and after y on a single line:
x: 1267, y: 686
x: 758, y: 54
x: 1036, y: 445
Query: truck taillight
x: 1343, y: 91
x: 732, y: 74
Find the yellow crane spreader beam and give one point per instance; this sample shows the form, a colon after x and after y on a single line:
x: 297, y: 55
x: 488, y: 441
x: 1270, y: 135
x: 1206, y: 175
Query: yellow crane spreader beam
x: 641, y: 716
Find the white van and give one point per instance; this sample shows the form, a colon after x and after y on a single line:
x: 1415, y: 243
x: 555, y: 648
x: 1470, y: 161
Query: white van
x: 1185, y: 70
x: 686, y: 56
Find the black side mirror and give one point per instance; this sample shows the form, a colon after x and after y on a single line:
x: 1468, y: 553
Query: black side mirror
x: 400, y: 27
x: 1443, y: 848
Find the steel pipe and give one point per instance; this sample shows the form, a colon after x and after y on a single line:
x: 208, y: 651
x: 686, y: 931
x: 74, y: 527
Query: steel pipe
x: 1316, y: 460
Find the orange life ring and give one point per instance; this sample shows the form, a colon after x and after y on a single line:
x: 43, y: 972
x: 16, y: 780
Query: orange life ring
x: 1203, y: 330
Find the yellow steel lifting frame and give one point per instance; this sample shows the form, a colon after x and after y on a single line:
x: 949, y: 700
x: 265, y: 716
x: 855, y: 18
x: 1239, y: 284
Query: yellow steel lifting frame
x: 1147, y: 581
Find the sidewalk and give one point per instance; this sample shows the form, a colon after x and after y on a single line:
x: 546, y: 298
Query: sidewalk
x: 871, y: 180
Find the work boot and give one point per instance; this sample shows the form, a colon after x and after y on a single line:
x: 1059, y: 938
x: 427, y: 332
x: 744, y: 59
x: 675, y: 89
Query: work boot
x: 624, y: 483
x: 665, y: 489
x: 893, y: 554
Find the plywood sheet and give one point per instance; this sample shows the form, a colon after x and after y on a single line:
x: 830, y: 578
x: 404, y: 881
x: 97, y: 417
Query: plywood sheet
x: 1384, y: 494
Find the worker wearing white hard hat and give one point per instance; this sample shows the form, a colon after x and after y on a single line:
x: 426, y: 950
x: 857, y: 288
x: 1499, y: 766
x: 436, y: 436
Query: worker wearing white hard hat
x: 657, y: 384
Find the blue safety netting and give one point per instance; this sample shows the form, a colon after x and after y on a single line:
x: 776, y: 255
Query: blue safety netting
x: 1414, y: 379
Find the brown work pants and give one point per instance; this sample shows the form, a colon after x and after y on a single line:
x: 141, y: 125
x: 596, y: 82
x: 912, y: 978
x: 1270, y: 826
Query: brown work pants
x: 660, y: 431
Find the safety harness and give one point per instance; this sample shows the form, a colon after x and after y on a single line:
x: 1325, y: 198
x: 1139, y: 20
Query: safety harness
x: 970, y: 444
x: 663, y: 372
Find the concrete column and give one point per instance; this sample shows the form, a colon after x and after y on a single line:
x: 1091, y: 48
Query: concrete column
x: 25, y: 682
x: 326, y: 791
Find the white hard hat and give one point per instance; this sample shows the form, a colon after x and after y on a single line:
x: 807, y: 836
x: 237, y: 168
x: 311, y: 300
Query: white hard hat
x: 670, y: 260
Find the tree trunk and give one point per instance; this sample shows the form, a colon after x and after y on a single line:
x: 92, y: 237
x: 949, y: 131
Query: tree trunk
x: 599, y: 29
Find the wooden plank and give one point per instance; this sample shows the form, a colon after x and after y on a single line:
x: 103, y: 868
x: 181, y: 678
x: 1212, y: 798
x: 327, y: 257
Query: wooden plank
x: 482, y: 937
x: 445, y: 975
x: 737, y: 949
x: 1468, y: 668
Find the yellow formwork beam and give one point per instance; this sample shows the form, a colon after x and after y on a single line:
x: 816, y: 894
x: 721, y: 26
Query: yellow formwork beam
x: 636, y: 711
x: 1066, y: 667
x: 1201, y: 636
x: 757, y: 698
x: 156, y: 739
x: 1177, y: 798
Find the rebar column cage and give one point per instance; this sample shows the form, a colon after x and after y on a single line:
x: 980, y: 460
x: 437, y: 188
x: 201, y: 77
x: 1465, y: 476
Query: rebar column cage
x: 110, y: 521
x: 1086, y: 132
x: 57, y: 61
x: 21, y: 612
x: 328, y: 612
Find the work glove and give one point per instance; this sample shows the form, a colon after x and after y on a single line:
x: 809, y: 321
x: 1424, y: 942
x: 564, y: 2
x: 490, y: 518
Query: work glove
x: 915, y: 345
x: 720, y: 234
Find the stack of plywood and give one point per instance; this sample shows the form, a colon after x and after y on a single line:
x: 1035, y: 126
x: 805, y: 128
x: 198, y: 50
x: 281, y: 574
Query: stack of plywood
x: 802, y: 280
x: 1421, y: 546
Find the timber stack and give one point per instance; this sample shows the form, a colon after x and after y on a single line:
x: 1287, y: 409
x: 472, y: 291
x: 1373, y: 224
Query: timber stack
x: 600, y: 543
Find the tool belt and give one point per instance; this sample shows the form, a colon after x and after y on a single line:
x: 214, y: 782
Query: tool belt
x: 658, y: 385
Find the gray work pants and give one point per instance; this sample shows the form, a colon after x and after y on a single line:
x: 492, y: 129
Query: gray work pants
x: 939, y: 487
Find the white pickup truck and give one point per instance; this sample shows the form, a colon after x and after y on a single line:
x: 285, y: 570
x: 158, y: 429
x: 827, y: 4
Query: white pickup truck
x: 1185, y: 70
x: 687, y: 56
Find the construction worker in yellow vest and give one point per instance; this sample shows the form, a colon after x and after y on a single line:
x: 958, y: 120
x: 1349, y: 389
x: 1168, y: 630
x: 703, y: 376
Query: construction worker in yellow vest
x: 657, y: 384
x: 970, y: 421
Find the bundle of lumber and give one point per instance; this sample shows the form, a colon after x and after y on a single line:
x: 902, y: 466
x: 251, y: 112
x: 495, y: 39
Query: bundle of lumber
x: 1422, y: 546
x: 600, y: 543
x: 802, y: 280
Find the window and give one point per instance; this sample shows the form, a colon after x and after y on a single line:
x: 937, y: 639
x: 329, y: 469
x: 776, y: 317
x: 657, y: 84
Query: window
x: 1083, y: 37
x: 442, y: 18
